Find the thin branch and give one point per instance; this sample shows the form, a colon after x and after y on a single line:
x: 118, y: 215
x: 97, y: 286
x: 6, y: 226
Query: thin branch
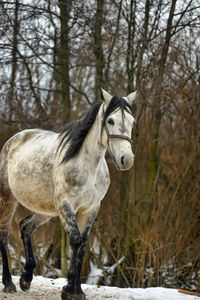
x: 81, y: 93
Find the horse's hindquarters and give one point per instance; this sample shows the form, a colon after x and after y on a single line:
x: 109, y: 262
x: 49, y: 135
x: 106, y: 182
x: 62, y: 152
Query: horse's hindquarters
x: 30, y: 166
x: 33, y: 192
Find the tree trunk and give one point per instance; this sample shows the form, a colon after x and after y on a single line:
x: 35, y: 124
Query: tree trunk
x: 98, y: 47
x: 130, y: 43
x: 63, y: 69
x: 125, y: 245
x: 64, y: 56
x: 144, y: 44
x: 10, y: 96
x: 106, y: 76
x: 150, y: 187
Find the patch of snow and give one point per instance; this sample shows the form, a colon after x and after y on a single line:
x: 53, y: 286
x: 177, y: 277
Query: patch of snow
x: 95, y: 274
x: 43, y: 288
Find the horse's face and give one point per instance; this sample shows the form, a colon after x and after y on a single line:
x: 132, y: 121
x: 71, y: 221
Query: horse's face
x: 118, y: 125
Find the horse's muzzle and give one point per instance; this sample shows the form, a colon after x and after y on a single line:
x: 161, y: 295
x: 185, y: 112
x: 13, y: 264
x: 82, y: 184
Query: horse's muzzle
x: 125, y: 162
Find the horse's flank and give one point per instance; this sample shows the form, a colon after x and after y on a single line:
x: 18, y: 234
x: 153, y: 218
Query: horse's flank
x: 30, y: 160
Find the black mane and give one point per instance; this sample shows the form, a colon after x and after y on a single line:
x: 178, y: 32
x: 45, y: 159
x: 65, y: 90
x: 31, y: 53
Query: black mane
x: 76, y: 131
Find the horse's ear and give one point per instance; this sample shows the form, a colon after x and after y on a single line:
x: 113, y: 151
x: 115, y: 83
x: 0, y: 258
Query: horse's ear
x: 105, y: 96
x: 132, y: 97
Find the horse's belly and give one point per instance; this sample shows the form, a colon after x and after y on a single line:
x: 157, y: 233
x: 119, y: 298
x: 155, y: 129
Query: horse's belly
x: 35, y: 198
x: 33, y: 191
x: 36, y: 203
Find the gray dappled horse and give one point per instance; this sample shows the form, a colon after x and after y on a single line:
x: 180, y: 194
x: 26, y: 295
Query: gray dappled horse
x: 63, y: 175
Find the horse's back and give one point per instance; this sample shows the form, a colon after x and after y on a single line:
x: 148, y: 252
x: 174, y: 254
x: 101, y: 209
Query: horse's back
x: 24, y: 137
x: 29, y: 145
x: 29, y: 156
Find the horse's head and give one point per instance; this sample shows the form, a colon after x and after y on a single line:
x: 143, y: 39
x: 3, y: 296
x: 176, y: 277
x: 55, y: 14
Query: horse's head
x: 117, y: 123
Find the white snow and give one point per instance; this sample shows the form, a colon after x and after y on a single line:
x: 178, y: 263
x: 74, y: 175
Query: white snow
x: 46, y: 288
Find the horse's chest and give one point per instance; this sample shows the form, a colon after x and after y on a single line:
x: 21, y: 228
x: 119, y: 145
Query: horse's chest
x: 96, y: 187
x: 87, y: 187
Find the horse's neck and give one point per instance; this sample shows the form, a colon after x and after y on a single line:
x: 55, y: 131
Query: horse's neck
x: 93, y: 150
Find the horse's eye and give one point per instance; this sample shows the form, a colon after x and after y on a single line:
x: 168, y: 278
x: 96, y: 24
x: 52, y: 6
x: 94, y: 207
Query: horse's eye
x: 110, y: 121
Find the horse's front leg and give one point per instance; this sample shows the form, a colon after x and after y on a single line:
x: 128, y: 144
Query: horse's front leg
x: 85, y: 222
x: 78, y: 240
x: 68, y: 218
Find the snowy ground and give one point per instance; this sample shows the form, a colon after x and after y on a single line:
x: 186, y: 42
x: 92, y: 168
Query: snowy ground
x: 45, y: 289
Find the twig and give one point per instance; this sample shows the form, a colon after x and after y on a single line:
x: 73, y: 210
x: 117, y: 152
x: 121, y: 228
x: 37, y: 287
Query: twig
x: 188, y: 292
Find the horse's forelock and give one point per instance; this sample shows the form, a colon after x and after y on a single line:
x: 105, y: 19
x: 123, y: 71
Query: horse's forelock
x: 116, y: 102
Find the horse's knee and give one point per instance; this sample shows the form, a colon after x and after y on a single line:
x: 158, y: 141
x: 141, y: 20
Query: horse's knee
x: 4, y: 236
x: 23, y: 227
x: 75, y: 239
x: 26, y: 225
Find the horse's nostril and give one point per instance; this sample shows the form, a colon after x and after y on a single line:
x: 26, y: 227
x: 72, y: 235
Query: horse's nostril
x: 122, y: 160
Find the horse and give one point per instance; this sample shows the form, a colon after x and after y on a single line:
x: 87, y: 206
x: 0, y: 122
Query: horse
x: 66, y: 175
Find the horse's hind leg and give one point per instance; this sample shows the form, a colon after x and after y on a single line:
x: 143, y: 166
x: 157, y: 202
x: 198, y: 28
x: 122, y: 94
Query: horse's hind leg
x: 27, y: 225
x: 6, y: 213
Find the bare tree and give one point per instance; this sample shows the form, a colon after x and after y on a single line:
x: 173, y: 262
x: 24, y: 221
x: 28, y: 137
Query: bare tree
x: 10, y: 96
x: 98, y: 47
x: 156, y: 120
x: 63, y: 59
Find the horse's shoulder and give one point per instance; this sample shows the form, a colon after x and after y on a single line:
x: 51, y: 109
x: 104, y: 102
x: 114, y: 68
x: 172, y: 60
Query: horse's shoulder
x: 105, y: 174
x: 104, y: 167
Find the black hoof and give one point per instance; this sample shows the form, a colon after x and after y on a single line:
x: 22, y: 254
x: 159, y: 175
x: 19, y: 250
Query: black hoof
x: 10, y: 289
x: 67, y: 296
x: 24, y: 285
